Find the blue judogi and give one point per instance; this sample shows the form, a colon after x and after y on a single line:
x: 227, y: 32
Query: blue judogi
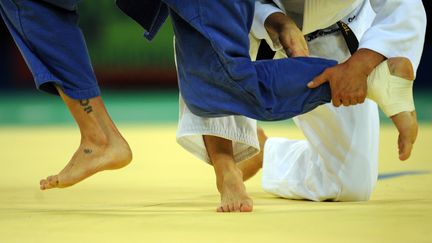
x: 48, y: 36
x: 216, y: 75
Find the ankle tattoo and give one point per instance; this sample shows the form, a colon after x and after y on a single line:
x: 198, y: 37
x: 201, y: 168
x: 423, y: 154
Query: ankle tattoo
x: 86, y: 104
x: 88, y: 151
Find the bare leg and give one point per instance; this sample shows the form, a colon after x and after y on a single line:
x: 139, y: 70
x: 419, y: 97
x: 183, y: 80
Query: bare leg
x: 251, y: 166
x: 102, y: 146
x: 229, y: 178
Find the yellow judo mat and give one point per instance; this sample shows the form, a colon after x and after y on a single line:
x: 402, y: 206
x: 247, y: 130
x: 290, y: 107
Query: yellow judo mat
x: 167, y: 195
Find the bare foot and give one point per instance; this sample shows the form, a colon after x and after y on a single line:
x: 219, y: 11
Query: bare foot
x: 406, y: 123
x: 251, y: 166
x: 229, y: 178
x: 392, y: 90
x: 102, y: 146
x: 233, y: 193
x: 88, y: 160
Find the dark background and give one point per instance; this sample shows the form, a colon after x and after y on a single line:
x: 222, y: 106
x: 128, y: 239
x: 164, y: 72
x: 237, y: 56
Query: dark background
x: 123, y: 59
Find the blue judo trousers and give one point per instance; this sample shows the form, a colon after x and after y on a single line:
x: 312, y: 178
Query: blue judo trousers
x: 216, y: 75
x: 48, y: 36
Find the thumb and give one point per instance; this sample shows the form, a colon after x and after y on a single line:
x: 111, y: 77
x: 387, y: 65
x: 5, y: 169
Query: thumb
x: 317, y: 81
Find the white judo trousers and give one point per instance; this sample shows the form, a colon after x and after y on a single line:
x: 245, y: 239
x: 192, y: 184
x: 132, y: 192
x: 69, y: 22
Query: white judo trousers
x: 337, y: 161
x: 339, y: 158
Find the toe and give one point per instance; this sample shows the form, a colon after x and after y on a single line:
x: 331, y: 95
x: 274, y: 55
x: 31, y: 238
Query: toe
x: 236, y: 207
x: 230, y: 207
x: 246, y: 206
x: 53, y: 181
x: 405, y: 148
x: 42, y: 184
x: 406, y: 124
x: 225, y: 208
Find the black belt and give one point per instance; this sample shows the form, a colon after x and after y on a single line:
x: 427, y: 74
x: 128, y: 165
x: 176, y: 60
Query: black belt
x: 265, y: 52
x: 349, y: 36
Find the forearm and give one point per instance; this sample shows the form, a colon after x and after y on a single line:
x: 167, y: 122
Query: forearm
x: 398, y: 29
x: 365, y: 60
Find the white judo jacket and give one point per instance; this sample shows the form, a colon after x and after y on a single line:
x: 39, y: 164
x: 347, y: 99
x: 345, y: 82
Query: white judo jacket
x: 394, y: 28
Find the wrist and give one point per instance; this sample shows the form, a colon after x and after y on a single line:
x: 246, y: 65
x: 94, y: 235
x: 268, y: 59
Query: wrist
x: 366, y: 60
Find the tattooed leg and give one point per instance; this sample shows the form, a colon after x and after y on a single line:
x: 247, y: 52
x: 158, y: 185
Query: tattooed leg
x: 102, y: 146
x: 86, y: 104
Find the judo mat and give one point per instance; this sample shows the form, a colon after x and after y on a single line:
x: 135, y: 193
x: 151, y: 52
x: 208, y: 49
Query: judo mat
x: 167, y: 195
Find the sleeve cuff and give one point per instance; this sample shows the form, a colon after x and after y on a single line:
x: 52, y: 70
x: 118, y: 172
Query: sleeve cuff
x: 262, y: 11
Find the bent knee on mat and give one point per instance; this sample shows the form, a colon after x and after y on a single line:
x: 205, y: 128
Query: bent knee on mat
x: 356, y: 193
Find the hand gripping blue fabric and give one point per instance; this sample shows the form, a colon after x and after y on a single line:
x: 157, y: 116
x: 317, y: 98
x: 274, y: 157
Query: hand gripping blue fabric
x: 216, y: 74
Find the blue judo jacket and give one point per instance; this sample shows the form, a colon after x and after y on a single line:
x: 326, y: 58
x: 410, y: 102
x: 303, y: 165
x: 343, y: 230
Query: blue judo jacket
x: 216, y: 74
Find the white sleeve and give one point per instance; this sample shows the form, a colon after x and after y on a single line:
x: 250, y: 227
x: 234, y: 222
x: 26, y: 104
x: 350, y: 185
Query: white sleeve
x: 397, y: 30
x: 263, y: 9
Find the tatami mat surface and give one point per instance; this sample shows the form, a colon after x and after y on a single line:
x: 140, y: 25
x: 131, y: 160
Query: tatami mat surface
x: 166, y: 195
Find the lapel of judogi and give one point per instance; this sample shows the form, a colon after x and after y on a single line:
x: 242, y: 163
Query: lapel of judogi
x: 319, y: 14
x: 150, y: 14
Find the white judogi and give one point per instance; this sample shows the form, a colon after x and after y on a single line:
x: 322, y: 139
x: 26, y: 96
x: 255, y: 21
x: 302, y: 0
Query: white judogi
x: 338, y: 159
